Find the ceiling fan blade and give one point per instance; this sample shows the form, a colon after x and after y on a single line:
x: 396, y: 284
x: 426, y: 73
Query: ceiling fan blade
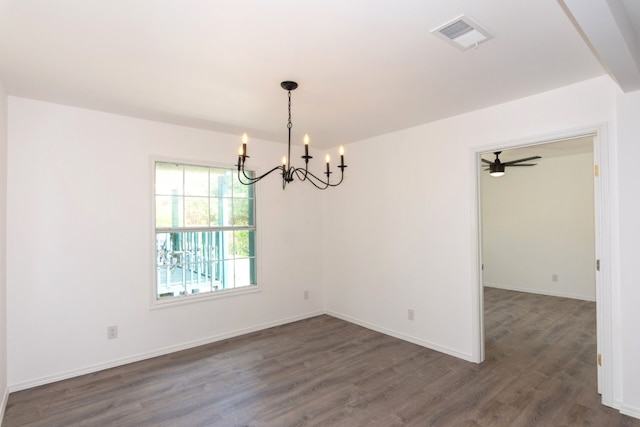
x: 521, y: 160
x: 521, y: 164
x: 486, y: 161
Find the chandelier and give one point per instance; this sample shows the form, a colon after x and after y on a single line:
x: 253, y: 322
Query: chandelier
x: 288, y: 171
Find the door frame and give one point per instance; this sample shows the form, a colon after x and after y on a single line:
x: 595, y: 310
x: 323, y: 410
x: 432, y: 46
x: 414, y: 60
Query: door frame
x: 602, y: 215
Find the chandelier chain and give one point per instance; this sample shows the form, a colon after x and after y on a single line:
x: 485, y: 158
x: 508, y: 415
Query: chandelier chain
x: 289, y: 122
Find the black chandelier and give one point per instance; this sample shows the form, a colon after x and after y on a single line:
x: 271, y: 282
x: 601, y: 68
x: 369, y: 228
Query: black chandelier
x: 288, y: 171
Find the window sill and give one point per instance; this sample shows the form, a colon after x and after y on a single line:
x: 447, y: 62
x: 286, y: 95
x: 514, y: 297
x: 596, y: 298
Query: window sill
x: 192, y: 299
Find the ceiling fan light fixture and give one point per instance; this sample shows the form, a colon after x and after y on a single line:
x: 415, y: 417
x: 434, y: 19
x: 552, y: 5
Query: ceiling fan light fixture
x: 496, y: 170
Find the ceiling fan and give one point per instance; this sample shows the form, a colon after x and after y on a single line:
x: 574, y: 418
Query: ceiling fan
x: 496, y: 168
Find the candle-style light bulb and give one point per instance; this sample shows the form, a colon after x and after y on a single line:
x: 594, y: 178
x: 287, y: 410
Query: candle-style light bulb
x: 284, y: 160
x: 341, y: 150
x: 306, y: 145
x: 327, y: 159
x: 240, y: 151
x: 240, y: 162
x: 245, y: 139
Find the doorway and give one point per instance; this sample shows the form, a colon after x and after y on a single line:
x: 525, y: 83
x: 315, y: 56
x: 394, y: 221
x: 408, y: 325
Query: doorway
x: 505, y: 262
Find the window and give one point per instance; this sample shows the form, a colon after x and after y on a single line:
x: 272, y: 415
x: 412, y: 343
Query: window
x: 205, y: 231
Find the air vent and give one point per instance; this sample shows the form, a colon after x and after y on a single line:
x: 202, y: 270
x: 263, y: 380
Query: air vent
x: 463, y: 32
x: 455, y: 30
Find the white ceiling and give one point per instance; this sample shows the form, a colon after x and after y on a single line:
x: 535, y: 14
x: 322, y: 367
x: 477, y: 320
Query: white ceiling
x: 365, y: 67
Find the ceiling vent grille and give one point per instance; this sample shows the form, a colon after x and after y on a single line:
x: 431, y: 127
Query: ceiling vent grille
x: 462, y: 32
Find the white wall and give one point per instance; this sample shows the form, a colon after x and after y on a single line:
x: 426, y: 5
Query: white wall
x: 628, y: 110
x: 80, y: 237
x: 402, y: 232
x: 3, y: 247
x: 538, y: 222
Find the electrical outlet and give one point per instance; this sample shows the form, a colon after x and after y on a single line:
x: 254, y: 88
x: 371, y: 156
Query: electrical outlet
x: 411, y: 314
x: 306, y: 294
x: 112, y: 332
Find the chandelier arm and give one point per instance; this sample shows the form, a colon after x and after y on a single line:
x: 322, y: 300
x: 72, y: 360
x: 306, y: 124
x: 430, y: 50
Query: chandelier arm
x: 327, y: 183
x: 252, y: 180
x: 309, y: 176
x: 314, y: 180
x: 339, y: 182
x: 249, y: 180
x: 302, y: 172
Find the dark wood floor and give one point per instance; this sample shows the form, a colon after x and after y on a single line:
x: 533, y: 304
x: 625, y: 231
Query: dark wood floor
x: 540, y: 370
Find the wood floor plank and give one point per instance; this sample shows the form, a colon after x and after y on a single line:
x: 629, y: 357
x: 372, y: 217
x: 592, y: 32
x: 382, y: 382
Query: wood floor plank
x: 539, y: 370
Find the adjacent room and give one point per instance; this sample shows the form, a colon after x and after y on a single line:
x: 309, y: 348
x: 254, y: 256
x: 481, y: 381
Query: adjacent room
x: 249, y: 213
x: 538, y: 220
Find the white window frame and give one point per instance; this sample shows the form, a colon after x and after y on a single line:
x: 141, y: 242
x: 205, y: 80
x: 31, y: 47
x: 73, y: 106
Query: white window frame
x: 156, y: 302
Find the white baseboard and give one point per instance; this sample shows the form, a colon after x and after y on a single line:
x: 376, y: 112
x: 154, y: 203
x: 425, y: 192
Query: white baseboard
x: 148, y: 355
x: 630, y: 411
x: 404, y: 337
x: 540, y: 292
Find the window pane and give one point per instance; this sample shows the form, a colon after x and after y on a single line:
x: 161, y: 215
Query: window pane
x: 243, y: 244
x: 217, y: 245
x: 229, y: 274
x: 225, y: 213
x: 162, y: 245
x: 239, y: 189
x: 196, y: 181
x: 163, y: 264
x: 221, y: 181
x: 240, y: 212
x: 196, y: 211
x: 243, y: 273
x: 186, y: 262
x: 170, y: 264
x: 228, y: 245
x: 214, y: 211
x: 216, y: 276
x: 169, y: 211
x: 169, y: 179
x: 197, y: 279
x: 192, y: 246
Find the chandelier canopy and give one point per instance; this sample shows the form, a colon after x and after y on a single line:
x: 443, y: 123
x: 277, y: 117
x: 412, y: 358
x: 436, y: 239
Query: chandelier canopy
x: 288, y: 171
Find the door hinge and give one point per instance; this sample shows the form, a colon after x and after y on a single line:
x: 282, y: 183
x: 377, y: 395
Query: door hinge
x: 599, y: 360
x: 597, y: 265
x: 596, y: 170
